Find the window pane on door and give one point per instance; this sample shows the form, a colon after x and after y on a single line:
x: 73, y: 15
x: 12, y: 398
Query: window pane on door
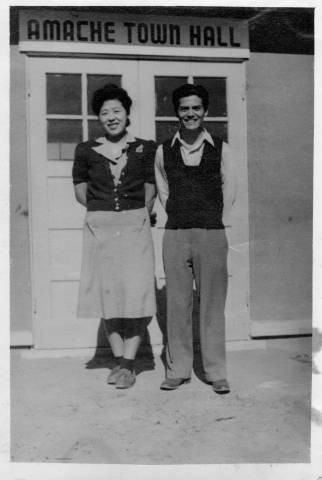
x: 164, y: 87
x: 94, y: 82
x: 64, y: 93
x: 62, y: 138
x: 94, y: 130
x: 165, y: 130
x: 216, y: 87
x: 218, y: 129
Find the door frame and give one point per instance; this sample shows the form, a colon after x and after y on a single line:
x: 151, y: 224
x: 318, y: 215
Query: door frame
x: 38, y: 165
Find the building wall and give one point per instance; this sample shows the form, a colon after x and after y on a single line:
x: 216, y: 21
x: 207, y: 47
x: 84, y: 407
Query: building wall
x: 19, y: 238
x: 280, y: 156
x: 280, y: 139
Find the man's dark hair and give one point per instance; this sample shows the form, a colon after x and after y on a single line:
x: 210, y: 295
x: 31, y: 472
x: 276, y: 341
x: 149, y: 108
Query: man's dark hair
x: 187, y: 90
x: 110, y: 92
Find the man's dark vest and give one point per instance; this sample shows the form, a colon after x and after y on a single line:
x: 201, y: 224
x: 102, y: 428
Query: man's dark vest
x: 195, y: 193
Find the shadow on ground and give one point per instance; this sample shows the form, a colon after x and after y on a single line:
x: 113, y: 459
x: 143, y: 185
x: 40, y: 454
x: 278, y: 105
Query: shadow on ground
x: 103, y: 357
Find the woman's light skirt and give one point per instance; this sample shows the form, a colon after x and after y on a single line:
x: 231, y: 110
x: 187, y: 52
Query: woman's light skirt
x: 117, y: 273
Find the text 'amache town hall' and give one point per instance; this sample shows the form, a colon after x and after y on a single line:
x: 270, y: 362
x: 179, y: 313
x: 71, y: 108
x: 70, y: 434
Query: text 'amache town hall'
x: 137, y: 33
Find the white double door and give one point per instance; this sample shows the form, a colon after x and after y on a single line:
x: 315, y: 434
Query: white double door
x: 59, y: 116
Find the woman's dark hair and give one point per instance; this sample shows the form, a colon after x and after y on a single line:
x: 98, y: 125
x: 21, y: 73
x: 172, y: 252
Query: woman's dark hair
x: 110, y: 92
x: 187, y: 90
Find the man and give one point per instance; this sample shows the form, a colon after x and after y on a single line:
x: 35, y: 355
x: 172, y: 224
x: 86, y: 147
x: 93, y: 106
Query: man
x: 195, y: 181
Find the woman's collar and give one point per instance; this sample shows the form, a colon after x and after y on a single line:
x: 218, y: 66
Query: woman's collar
x: 126, y: 139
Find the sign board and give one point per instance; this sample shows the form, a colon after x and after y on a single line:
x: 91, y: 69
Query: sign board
x: 47, y: 25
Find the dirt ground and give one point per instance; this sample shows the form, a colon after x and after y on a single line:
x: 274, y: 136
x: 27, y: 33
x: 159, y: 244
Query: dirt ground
x: 64, y: 412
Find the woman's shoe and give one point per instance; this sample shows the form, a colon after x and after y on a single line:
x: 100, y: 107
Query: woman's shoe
x: 125, y: 379
x: 113, y: 376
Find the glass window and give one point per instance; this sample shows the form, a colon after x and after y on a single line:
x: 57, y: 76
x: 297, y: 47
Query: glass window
x: 95, y: 82
x: 94, y: 130
x: 218, y: 129
x: 165, y: 130
x: 62, y: 138
x: 216, y: 87
x: 164, y: 87
x: 64, y: 94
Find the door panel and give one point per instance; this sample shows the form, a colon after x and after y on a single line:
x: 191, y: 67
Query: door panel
x: 65, y: 254
x: 226, y: 119
x: 79, y: 332
x: 59, y: 117
x: 63, y: 210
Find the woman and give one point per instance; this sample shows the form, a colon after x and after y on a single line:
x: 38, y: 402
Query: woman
x: 113, y: 178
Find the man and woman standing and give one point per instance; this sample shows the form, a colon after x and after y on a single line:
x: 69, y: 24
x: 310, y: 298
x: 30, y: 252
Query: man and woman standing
x: 196, y: 186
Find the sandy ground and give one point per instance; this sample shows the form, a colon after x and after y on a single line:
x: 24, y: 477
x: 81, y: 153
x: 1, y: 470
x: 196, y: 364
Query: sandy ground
x: 65, y: 412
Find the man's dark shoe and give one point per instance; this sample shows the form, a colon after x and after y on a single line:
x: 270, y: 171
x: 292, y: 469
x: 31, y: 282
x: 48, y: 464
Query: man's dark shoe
x: 113, y: 376
x: 221, y: 386
x: 173, y: 383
